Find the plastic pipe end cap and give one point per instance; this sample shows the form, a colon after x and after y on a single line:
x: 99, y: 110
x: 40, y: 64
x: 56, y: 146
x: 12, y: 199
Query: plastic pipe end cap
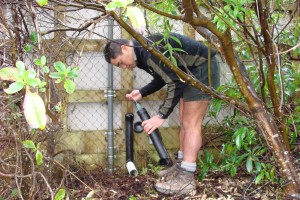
x: 137, y: 126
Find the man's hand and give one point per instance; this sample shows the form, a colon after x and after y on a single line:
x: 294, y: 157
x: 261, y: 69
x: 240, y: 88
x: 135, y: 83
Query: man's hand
x: 153, y: 123
x: 135, y: 95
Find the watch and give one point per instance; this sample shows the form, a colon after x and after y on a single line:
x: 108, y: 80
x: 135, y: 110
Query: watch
x: 161, y: 116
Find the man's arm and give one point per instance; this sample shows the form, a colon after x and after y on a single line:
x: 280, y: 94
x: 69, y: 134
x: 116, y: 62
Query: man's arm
x: 156, y: 84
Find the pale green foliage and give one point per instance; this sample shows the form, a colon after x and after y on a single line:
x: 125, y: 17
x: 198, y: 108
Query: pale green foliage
x: 134, y: 13
x: 34, y: 110
x: 29, y: 144
x: 60, y: 194
x: 33, y: 41
x: 160, y: 23
x: 118, y: 4
x: 42, y: 2
x: 22, y: 77
x: 232, y: 12
x: 65, y: 74
x: 137, y: 19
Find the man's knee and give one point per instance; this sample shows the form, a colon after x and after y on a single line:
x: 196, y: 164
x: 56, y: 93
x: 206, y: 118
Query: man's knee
x: 187, y: 124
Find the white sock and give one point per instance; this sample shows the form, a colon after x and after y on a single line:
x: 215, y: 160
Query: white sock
x: 180, y: 155
x: 190, y: 167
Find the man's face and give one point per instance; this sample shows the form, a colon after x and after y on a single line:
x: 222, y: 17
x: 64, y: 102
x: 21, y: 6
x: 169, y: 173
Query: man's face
x: 126, y: 59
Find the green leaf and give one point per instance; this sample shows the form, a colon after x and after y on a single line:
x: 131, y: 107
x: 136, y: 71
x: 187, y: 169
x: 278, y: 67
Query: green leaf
x: 34, y: 110
x: 272, y: 173
x: 238, y: 142
x: 42, y: 2
x: 137, y: 19
x: 14, y: 87
x: 60, y: 66
x: 39, y: 157
x: 57, y: 75
x: 176, y: 40
x: 249, y: 164
x: 111, y: 6
x: 73, y: 73
x: 60, y: 194
x: 118, y: 4
x: 14, y: 192
x: 203, y: 173
x: 257, y: 166
x: 41, y: 83
x: 259, y: 177
x: 46, y: 69
x: 43, y: 60
x: 233, y: 171
x: 9, y: 74
x: 28, y: 48
x: 69, y: 85
x: 33, y: 82
x: 34, y: 37
x: 37, y: 62
x: 21, y: 67
x: 28, y: 144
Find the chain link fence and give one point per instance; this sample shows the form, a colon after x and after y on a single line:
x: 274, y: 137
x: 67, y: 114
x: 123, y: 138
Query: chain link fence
x: 77, y: 37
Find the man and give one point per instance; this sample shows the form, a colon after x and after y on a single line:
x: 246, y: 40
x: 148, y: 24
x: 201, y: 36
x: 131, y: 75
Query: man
x: 128, y: 54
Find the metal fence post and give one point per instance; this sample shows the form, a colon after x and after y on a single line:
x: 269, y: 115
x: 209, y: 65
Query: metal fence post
x: 110, y: 101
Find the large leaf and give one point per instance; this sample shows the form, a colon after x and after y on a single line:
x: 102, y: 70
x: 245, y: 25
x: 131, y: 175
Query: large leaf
x: 69, y: 85
x: 34, y: 110
x: 9, y: 74
x: 249, y: 164
x: 137, y: 19
x: 29, y: 144
x: 14, y: 87
x: 60, y: 66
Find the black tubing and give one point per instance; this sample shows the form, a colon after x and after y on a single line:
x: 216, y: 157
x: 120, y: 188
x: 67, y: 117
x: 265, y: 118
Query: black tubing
x: 129, y: 136
x: 156, y: 139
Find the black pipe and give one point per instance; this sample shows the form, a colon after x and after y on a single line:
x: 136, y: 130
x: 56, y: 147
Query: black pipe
x: 129, y: 144
x: 155, y: 138
x: 129, y: 136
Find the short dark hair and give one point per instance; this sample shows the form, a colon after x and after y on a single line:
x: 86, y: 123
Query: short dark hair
x: 113, y: 49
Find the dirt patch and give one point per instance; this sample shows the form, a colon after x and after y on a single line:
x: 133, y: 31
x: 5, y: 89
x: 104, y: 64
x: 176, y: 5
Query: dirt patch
x: 214, y: 186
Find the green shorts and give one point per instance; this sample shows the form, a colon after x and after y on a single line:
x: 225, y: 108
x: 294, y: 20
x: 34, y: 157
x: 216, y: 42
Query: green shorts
x: 201, y: 73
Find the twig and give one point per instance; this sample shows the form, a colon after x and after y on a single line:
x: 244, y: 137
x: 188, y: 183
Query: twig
x: 49, y: 187
x: 63, y: 167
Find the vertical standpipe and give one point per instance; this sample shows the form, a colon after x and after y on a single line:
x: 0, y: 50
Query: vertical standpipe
x: 155, y: 138
x: 129, y: 144
x: 110, y: 100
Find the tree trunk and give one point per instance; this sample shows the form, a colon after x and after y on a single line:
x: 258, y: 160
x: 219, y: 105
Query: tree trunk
x: 275, y: 142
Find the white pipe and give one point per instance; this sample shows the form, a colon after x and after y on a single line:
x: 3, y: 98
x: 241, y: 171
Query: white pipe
x: 131, y: 168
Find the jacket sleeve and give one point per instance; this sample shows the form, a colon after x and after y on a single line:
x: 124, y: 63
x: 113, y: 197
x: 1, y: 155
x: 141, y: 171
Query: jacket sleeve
x: 174, y: 93
x: 156, y: 84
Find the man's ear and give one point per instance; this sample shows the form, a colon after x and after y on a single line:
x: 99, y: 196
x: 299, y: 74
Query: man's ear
x: 125, y: 48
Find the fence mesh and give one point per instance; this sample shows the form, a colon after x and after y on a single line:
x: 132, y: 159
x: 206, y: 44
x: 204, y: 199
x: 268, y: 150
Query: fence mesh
x: 77, y: 38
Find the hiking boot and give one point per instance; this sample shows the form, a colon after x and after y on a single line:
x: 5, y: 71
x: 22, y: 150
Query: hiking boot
x: 181, y: 182
x: 168, y: 172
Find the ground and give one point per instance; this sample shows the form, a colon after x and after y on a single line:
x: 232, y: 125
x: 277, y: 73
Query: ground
x: 215, y: 186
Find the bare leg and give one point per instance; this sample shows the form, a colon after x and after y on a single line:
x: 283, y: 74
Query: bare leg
x: 193, y: 113
x: 181, y: 134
